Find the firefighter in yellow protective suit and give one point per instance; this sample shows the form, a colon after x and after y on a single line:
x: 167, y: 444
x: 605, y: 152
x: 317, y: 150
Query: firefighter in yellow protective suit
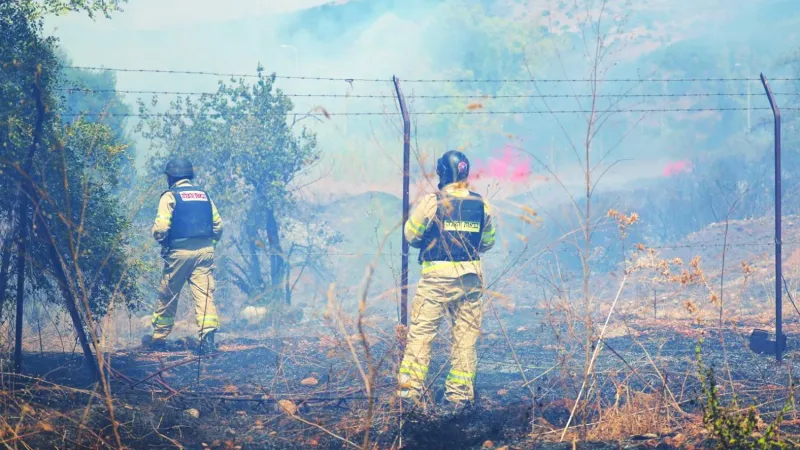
x: 188, y: 228
x: 451, y: 228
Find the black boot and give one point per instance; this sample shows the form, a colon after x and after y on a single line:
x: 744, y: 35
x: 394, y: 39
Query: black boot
x: 207, y: 345
x: 153, y: 345
x: 451, y: 409
x: 414, y: 408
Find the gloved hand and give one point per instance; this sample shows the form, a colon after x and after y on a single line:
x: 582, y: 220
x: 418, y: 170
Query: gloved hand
x: 164, y: 251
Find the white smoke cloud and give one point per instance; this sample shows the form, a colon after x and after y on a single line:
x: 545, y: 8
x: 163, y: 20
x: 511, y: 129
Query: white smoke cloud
x: 165, y: 14
x: 363, y: 151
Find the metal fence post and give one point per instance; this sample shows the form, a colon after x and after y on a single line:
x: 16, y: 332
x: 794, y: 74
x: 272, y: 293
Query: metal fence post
x: 406, y: 162
x: 778, y: 261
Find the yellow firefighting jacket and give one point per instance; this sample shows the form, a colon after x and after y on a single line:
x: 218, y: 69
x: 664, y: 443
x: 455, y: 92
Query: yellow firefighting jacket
x: 423, y: 215
x: 164, y: 219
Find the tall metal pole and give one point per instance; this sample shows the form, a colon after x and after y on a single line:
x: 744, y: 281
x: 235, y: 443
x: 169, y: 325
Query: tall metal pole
x: 406, y: 162
x: 778, y: 266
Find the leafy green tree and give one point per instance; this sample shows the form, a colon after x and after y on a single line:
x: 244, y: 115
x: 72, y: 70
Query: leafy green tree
x: 57, y: 184
x: 96, y: 231
x: 91, y: 96
x: 37, y: 9
x: 22, y: 51
x: 242, y: 138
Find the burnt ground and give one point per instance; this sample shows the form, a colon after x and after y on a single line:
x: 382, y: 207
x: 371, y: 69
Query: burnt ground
x: 305, y: 391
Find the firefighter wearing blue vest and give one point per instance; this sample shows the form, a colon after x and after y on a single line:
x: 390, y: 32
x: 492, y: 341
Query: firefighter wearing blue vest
x: 188, y: 228
x: 451, y: 228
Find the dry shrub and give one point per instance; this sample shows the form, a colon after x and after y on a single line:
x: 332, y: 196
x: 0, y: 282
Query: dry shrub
x: 640, y: 413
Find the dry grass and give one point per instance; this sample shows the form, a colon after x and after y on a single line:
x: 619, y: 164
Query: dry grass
x: 634, y: 414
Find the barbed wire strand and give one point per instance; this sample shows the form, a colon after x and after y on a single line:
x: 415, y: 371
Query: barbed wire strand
x: 588, y: 80
x: 223, y: 74
x: 419, y: 80
x: 72, y: 90
x: 450, y: 113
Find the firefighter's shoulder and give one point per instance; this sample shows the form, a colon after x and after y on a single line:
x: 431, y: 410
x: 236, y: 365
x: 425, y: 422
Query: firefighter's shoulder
x: 166, y: 200
x: 428, y: 199
x: 427, y: 205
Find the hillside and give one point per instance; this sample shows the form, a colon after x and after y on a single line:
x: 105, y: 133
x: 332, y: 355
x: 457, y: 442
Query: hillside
x: 522, y: 259
x: 363, y: 221
x: 746, y: 281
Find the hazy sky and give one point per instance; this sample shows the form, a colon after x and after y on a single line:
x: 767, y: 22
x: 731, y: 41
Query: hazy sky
x: 168, y: 14
x: 391, y: 37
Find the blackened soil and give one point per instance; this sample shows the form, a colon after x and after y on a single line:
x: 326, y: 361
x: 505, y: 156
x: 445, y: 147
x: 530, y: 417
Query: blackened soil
x: 233, y: 400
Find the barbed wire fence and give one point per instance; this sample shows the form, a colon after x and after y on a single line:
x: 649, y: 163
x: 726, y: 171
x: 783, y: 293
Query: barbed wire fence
x: 388, y: 84
x: 379, y: 88
x: 755, y: 244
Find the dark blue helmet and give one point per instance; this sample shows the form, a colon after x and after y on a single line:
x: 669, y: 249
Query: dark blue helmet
x: 179, y: 168
x: 453, y: 166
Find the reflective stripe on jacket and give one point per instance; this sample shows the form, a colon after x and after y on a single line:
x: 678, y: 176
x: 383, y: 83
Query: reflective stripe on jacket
x: 424, y: 214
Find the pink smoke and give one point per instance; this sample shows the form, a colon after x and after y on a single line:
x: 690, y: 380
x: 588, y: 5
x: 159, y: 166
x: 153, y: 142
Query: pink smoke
x: 508, y: 167
x: 674, y: 168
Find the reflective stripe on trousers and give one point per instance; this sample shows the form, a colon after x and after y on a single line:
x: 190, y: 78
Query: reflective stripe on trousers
x: 459, y: 377
x: 194, y: 266
x: 459, y: 298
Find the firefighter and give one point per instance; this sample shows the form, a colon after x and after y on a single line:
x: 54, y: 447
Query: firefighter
x: 451, y: 228
x: 188, y: 228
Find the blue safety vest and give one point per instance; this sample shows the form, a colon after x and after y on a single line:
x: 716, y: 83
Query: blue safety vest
x: 455, y: 231
x: 192, y: 216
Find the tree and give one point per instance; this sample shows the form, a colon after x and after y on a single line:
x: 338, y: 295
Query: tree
x: 71, y: 237
x: 243, y: 139
x: 307, y: 238
x: 90, y: 96
x: 96, y: 234
x: 37, y: 9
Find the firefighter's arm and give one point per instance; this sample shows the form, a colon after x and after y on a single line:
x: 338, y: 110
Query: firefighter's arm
x: 419, y: 220
x: 163, y: 218
x: 488, y: 234
x: 216, y: 221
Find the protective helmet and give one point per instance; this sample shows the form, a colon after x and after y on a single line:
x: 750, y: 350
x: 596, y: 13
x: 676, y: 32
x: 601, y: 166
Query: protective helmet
x: 451, y: 167
x: 179, y: 168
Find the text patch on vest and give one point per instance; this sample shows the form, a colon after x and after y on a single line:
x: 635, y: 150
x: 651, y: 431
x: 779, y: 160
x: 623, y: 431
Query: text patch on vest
x: 193, y: 196
x: 457, y: 225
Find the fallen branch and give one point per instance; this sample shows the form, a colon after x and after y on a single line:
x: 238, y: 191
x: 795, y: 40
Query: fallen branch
x: 324, y: 430
x: 172, y: 366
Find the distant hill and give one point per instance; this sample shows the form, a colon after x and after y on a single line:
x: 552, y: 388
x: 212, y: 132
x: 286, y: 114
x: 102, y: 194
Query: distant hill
x: 363, y: 220
x: 529, y: 263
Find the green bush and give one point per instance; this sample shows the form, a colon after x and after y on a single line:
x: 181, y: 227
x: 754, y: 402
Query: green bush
x: 730, y: 426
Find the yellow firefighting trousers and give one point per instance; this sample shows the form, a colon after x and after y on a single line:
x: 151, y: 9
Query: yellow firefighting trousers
x: 195, y: 265
x: 460, y: 298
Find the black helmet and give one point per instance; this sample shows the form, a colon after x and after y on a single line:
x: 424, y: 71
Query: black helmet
x: 451, y: 167
x: 179, y: 168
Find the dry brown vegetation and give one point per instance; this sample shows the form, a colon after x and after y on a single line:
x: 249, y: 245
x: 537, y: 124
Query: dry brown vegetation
x: 565, y: 358
x: 328, y: 382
